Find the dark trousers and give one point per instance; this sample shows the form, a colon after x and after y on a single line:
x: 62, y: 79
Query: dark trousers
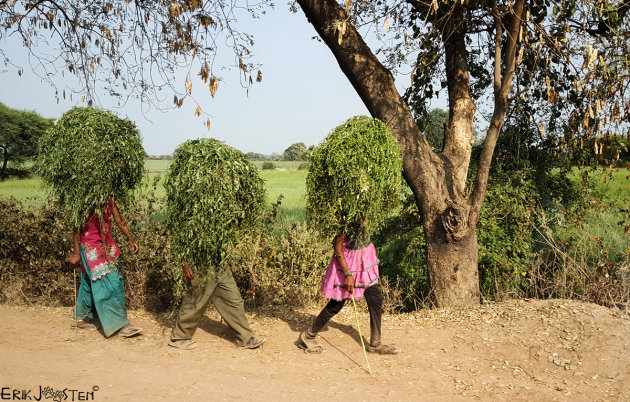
x: 374, y: 300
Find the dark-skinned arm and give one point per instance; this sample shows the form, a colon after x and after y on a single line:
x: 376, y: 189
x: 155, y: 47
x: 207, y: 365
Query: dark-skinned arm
x: 338, y: 247
x: 75, y: 257
x: 188, y: 272
x: 123, y: 227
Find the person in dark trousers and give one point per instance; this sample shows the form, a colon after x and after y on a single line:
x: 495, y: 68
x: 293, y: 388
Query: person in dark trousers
x: 352, y: 272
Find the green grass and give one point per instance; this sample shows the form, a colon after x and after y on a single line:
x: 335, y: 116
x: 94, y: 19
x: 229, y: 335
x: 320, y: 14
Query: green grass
x: 160, y: 165
x: 603, y: 228
x: 281, y: 165
x: 157, y: 165
x: 30, y: 192
x: 291, y: 184
x: 608, y: 185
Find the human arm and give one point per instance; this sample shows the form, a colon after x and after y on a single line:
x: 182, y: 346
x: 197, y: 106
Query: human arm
x: 123, y: 227
x: 75, y: 257
x: 338, y: 253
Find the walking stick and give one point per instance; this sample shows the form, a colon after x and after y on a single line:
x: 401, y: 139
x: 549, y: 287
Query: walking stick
x: 74, y: 281
x: 356, y: 316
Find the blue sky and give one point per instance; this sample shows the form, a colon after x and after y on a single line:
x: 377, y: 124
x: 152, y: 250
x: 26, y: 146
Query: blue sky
x: 302, y: 97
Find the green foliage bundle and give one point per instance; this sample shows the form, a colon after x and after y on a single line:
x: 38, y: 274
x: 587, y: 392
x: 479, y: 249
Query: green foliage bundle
x: 355, y: 174
x: 88, y: 155
x: 213, y: 193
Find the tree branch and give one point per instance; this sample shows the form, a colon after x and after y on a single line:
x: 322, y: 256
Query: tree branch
x: 500, y: 105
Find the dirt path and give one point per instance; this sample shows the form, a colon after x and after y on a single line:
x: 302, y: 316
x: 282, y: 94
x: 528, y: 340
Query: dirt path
x: 521, y: 350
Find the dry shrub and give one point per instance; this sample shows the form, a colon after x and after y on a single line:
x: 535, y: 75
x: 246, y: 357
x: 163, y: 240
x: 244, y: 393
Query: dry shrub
x: 33, y: 248
x: 393, y: 298
x: 569, y: 269
x: 283, y: 267
x: 149, y: 282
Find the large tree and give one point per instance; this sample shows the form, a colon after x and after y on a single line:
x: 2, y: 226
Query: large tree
x: 295, y: 152
x: 19, y: 132
x: 469, y: 46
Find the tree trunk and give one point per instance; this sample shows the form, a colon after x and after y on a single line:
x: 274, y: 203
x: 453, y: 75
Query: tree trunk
x: 452, y: 266
x: 5, y: 155
x: 437, y: 180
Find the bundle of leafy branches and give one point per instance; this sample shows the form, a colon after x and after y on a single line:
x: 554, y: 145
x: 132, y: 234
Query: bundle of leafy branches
x: 213, y: 194
x: 354, y: 175
x: 88, y: 156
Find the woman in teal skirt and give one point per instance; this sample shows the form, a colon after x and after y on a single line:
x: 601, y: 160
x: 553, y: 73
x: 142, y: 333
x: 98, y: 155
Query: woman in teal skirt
x: 101, y: 292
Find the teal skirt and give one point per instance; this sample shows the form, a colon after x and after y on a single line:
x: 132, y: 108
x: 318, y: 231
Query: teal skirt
x: 103, y: 298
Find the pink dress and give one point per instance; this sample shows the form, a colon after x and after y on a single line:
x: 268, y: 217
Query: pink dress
x: 98, y: 245
x: 364, y: 266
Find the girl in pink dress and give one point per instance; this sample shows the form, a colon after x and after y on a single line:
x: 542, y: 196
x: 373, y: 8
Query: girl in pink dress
x: 352, y: 272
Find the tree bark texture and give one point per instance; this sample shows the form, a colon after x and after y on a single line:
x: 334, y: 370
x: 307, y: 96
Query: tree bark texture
x: 436, y: 180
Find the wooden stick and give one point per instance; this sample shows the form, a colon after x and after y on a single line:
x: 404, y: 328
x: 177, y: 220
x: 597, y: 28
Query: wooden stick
x: 74, y: 277
x: 356, y: 315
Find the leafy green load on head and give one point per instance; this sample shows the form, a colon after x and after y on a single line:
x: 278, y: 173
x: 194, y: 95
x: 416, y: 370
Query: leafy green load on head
x: 213, y: 192
x: 88, y: 155
x: 354, y: 175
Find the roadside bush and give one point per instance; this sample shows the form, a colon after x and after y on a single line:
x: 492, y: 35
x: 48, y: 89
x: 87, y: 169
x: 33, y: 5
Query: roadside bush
x: 583, y: 255
x: 284, y: 266
x: 34, y: 247
x: 268, y: 166
x: 401, y: 250
x: 149, y: 282
x: 505, y: 235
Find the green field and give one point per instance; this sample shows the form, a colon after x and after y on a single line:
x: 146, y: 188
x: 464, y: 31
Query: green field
x: 286, y: 181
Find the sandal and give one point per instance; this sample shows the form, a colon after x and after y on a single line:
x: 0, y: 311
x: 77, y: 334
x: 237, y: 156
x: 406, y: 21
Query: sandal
x: 253, y: 343
x: 184, y: 344
x: 85, y: 325
x: 130, y: 331
x: 309, y: 345
x: 383, y: 349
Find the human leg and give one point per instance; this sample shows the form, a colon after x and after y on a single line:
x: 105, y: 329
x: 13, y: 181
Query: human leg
x: 109, y: 299
x: 84, y: 308
x: 332, y: 308
x: 193, y: 306
x: 227, y: 299
x: 374, y: 299
x: 307, y: 339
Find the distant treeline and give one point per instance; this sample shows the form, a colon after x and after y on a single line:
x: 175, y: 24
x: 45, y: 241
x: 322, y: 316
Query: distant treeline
x: 295, y: 152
